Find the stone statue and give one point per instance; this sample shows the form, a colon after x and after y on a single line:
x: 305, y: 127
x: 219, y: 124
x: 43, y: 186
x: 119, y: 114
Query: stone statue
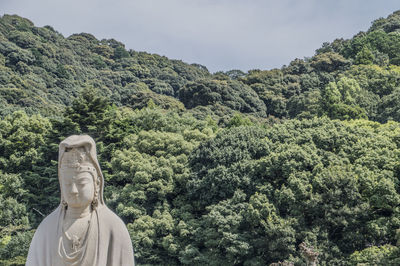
x: 82, y: 231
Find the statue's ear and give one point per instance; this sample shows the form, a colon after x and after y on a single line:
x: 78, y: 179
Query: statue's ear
x: 95, y: 201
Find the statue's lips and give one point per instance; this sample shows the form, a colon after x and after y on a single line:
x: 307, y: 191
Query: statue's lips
x: 74, y: 198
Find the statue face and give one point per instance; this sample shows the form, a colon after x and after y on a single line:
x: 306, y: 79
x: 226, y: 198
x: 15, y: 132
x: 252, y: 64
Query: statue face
x: 77, y: 188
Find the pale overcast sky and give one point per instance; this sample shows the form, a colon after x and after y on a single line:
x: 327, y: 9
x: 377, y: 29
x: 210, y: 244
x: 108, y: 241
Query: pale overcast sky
x: 219, y: 34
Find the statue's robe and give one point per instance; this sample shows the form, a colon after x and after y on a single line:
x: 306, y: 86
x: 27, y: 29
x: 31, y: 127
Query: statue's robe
x: 108, y: 243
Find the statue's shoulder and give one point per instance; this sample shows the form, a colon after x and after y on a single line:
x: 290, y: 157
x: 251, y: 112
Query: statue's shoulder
x: 116, y: 242
x: 115, y: 225
x: 109, y: 217
x: 50, y: 220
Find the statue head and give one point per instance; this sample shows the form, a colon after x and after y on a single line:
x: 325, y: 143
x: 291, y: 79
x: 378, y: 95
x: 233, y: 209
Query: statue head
x: 79, y: 173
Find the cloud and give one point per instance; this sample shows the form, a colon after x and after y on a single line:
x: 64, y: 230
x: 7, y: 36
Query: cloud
x: 220, y: 34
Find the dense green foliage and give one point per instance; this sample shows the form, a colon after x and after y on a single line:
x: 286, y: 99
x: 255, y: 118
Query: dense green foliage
x: 209, y: 169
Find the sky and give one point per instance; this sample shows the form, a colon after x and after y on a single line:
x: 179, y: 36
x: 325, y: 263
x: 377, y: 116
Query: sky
x: 219, y: 34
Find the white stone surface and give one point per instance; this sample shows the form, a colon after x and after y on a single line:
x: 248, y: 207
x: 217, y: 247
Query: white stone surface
x: 82, y: 231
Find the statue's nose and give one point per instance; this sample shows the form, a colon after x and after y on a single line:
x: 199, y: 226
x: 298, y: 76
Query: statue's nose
x: 74, y: 189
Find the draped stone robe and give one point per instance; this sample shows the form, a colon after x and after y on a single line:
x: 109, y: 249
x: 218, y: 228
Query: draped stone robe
x: 109, y: 241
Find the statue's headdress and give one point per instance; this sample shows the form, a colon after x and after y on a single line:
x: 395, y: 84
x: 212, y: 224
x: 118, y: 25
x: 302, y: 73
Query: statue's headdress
x: 77, y: 158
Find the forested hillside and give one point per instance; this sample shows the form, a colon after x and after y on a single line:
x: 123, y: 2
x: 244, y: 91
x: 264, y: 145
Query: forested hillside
x: 226, y: 168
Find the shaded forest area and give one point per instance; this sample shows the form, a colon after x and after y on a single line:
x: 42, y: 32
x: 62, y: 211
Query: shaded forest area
x: 226, y: 168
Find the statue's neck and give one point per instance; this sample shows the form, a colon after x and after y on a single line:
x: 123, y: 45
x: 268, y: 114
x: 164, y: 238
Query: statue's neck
x: 76, y: 213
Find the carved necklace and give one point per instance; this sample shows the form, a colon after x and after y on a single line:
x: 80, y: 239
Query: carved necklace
x: 76, y: 241
x: 78, y: 244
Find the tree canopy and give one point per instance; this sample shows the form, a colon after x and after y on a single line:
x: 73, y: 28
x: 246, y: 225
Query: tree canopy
x: 226, y: 168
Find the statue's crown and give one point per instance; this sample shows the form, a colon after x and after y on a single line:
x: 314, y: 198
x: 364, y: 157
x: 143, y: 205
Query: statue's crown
x: 77, y: 158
